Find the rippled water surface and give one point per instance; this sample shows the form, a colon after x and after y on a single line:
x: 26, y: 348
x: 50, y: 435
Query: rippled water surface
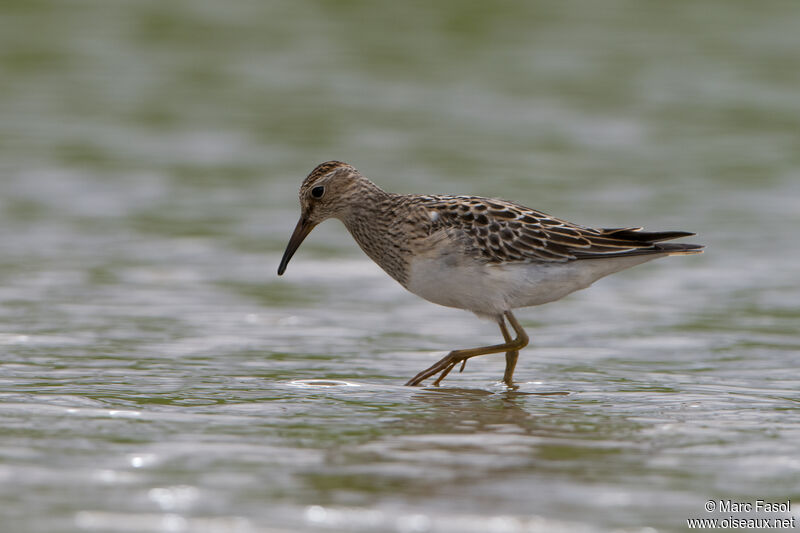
x: 157, y: 375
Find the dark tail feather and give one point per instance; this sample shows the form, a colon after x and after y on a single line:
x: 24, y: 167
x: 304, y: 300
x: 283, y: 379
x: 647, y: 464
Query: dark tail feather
x: 668, y: 249
x: 678, y: 248
x: 633, y: 234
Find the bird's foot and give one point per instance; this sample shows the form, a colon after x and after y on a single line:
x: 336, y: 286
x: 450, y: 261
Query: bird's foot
x: 444, y: 365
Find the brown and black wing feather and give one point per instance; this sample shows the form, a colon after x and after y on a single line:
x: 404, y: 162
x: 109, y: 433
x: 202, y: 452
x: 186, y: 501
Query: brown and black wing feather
x: 502, y: 231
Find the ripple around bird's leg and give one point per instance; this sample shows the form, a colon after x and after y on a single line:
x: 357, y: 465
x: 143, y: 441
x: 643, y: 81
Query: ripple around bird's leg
x: 313, y: 383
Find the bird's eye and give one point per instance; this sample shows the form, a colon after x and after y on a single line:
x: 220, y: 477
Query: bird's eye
x: 317, y: 192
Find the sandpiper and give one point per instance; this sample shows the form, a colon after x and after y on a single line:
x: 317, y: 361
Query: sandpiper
x: 484, y: 255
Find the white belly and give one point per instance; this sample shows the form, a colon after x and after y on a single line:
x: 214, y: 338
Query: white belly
x: 489, y: 289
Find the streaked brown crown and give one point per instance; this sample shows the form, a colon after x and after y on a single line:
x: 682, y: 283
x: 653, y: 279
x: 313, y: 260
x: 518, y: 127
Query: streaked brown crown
x: 323, y: 169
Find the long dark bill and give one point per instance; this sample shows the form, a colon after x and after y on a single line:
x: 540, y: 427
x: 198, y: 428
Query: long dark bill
x: 302, y: 229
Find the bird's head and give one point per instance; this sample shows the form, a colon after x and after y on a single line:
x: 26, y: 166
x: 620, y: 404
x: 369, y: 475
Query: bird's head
x: 329, y: 191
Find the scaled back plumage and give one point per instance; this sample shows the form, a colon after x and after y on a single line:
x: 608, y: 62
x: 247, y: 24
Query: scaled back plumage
x: 502, y: 232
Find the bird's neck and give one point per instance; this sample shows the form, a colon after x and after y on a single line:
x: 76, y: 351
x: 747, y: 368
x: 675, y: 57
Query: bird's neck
x: 375, y: 223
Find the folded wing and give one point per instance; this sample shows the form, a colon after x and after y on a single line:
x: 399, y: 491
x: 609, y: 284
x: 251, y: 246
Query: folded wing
x: 502, y: 231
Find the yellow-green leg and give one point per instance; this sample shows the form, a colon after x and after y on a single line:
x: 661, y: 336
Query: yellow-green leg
x: 511, y: 347
x: 511, y: 357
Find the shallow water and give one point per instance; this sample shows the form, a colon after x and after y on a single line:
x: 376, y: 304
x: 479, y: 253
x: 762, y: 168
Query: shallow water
x: 156, y: 374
